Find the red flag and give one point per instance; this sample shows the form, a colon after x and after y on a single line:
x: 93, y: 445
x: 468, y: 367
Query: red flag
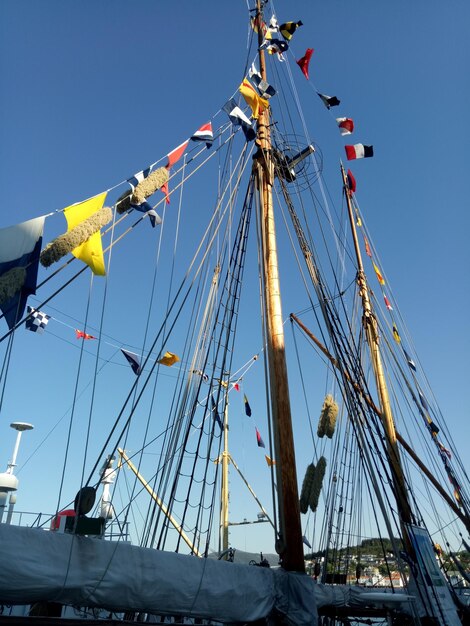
x: 387, y: 303
x: 304, y: 62
x: 176, y: 154
x: 345, y: 125
x: 164, y: 189
x: 366, y: 244
x: 351, y: 182
x: 81, y: 335
x: 236, y: 386
x: 259, y: 440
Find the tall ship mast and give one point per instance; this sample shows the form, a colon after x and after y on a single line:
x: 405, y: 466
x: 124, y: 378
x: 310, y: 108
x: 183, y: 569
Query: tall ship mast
x: 371, y: 329
x: 207, y: 449
x: 290, y: 533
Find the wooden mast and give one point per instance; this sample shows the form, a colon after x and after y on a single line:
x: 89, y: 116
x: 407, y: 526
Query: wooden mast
x: 224, y: 514
x: 372, y: 334
x: 289, y: 545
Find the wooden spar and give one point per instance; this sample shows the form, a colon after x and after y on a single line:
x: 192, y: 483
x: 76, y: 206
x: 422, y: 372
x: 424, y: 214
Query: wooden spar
x: 289, y: 543
x: 334, y: 362
x: 372, y: 335
x: 160, y: 502
x: 463, y: 518
x: 257, y: 500
x: 425, y: 470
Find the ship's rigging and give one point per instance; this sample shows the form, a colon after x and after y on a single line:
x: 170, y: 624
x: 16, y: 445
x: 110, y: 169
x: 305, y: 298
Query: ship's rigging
x: 366, y: 483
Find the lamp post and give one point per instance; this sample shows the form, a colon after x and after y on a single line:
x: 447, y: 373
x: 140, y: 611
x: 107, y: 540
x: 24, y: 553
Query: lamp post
x: 9, y: 482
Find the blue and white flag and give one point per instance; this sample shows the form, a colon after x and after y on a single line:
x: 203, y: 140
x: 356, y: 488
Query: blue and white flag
x: 423, y: 400
x: 238, y: 118
x: 146, y: 207
x: 409, y: 360
x: 138, y: 178
x: 204, y: 134
x: 37, y: 320
x: 265, y: 90
x: 133, y: 360
x: 20, y: 247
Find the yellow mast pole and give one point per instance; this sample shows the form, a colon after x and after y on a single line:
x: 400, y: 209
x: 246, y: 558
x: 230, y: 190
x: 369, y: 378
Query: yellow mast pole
x: 289, y: 546
x: 224, y: 489
x: 372, y: 335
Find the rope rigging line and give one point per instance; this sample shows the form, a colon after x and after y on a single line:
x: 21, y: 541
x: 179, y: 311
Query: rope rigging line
x: 90, y: 414
x: 203, y: 366
x: 72, y: 412
x: 149, y: 317
x: 212, y: 238
x: 173, y: 305
x: 309, y: 418
x: 333, y: 335
x: 226, y: 327
x: 5, y: 366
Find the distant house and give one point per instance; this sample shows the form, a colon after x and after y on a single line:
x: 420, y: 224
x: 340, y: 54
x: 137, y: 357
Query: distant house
x: 456, y: 579
x: 396, y: 579
x: 372, y: 578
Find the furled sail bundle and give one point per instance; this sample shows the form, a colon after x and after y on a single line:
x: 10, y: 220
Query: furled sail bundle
x: 317, y: 484
x: 311, y: 486
x: 154, y: 181
x: 144, y: 189
x: 11, y: 282
x: 307, y: 487
x: 328, y: 415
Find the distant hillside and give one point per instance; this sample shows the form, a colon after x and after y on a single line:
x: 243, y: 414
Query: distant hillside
x: 380, y: 548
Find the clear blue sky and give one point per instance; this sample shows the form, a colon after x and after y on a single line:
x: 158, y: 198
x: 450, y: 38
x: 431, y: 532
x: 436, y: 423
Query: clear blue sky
x: 95, y: 91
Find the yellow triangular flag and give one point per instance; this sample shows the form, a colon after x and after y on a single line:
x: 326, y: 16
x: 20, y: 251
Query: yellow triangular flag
x: 90, y: 252
x: 269, y: 460
x: 396, y: 335
x: 380, y: 278
x: 256, y: 103
x: 169, y: 359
